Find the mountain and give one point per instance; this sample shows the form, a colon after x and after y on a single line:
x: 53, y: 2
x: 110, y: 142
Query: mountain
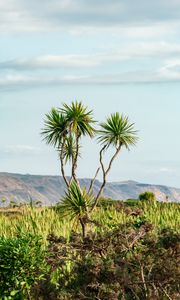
x: 49, y: 189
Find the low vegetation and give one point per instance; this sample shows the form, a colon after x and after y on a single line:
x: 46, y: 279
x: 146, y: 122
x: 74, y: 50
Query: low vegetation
x: 130, y: 251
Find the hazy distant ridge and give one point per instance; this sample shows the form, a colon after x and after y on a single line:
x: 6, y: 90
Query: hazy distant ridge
x: 49, y: 189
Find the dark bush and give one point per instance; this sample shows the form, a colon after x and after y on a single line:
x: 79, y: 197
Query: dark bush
x: 125, y: 263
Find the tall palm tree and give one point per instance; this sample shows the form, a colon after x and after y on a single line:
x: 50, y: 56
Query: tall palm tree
x: 116, y: 132
x: 55, y: 134
x: 63, y: 129
x: 80, y: 123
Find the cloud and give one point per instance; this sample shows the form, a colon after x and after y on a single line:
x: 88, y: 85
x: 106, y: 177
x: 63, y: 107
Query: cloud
x: 22, y: 73
x: 166, y: 170
x: 129, y: 52
x: 96, y: 12
x: 162, y: 170
x: 21, y: 149
x: 161, y: 75
x: 55, y: 61
x: 45, y: 15
x: 171, y: 68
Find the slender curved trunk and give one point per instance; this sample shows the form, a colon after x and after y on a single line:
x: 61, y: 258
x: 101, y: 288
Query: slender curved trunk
x: 72, y: 153
x: 93, y: 180
x: 74, y: 164
x: 62, y: 164
x: 105, y: 173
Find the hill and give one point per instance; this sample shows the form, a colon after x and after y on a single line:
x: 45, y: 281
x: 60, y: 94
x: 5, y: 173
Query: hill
x: 49, y: 189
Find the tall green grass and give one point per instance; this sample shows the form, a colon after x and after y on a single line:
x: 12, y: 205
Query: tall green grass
x: 162, y: 214
x: 43, y: 221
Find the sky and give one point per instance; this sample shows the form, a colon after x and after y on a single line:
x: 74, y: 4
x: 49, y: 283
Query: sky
x: 113, y: 56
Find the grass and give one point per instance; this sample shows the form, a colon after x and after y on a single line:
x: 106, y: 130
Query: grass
x: 46, y: 220
x: 45, y: 264
x: 30, y: 219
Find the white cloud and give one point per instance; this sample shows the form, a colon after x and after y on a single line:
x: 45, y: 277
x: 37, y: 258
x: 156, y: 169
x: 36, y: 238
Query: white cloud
x: 24, y: 15
x: 167, y: 69
x: 129, y: 52
x: 21, y: 149
x: 138, y: 77
x: 162, y: 170
x: 171, y: 69
x: 166, y: 170
x: 54, y: 61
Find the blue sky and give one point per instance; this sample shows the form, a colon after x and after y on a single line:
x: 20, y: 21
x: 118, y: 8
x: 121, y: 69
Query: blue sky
x: 112, y: 55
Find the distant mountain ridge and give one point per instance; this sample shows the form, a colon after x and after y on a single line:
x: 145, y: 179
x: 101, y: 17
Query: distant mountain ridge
x: 49, y: 189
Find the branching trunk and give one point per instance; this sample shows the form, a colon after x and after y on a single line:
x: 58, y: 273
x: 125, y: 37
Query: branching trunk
x: 72, y: 154
x: 105, y: 173
x: 93, y: 180
x: 74, y: 163
x: 104, y: 178
x: 62, y: 164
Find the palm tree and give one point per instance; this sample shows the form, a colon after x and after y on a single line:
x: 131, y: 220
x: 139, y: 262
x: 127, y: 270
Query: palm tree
x: 63, y: 129
x: 116, y: 132
x: 55, y: 134
x: 80, y: 122
x: 75, y: 204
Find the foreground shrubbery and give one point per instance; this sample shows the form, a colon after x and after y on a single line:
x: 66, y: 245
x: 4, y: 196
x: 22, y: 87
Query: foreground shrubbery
x: 22, y: 264
x: 131, y: 252
x: 125, y: 263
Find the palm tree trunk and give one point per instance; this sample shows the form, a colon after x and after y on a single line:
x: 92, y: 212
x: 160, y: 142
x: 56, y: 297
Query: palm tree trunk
x: 83, y: 226
x: 93, y: 180
x: 74, y: 165
x: 71, y: 137
x: 62, y: 165
x: 105, y: 173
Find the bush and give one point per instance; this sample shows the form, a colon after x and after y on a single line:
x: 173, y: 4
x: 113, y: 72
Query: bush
x: 21, y: 265
x: 106, y: 202
x: 132, y: 202
x: 147, y: 196
x: 126, y: 263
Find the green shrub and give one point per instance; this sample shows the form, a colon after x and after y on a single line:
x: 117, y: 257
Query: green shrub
x: 21, y: 265
x: 132, y: 202
x: 147, y: 196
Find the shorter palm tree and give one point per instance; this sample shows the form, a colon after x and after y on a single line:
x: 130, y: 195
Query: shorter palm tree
x: 76, y: 204
x: 116, y: 132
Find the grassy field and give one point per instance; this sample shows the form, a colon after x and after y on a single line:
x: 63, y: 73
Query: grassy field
x: 46, y: 220
x: 131, y: 252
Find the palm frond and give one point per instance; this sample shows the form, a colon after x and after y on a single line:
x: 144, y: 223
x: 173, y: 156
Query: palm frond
x: 68, y: 149
x: 117, y: 130
x: 55, y: 127
x: 79, y: 118
x: 75, y: 203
